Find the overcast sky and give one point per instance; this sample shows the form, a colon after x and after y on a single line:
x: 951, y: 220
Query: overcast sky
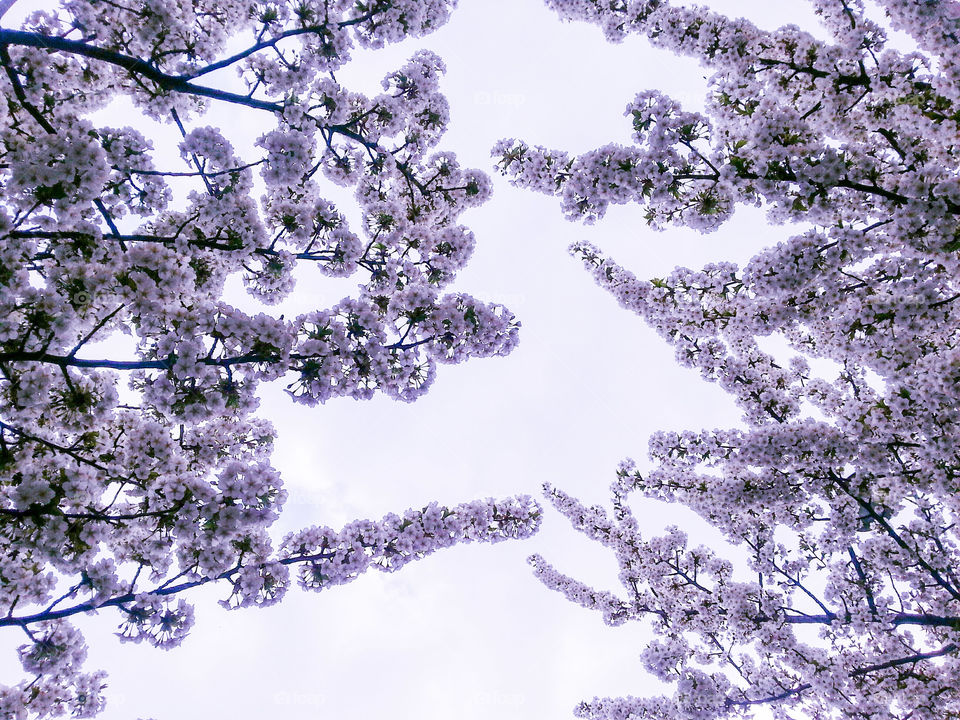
x: 469, y: 633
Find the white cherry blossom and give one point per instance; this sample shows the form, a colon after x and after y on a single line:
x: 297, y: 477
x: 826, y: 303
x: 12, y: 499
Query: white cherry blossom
x: 126, y: 481
x: 839, y: 595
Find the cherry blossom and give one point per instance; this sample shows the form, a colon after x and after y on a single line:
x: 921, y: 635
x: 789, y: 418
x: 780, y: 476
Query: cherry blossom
x: 836, y: 595
x: 126, y: 481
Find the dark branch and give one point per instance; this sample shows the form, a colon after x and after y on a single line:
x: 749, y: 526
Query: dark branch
x: 129, y: 597
x: 133, y: 65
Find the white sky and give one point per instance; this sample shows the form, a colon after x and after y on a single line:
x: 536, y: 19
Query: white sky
x: 469, y: 633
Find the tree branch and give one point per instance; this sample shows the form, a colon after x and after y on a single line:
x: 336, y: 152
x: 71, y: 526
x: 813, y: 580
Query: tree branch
x: 24, y: 620
x: 910, y: 659
x: 133, y: 65
x: 5, y: 5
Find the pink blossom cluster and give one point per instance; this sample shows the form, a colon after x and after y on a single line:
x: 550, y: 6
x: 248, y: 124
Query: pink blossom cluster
x: 815, y: 131
x: 327, y: 558
x: 126, y: 480
x: 56, y: 651
x: 258, y: 576
x: 836, y: 594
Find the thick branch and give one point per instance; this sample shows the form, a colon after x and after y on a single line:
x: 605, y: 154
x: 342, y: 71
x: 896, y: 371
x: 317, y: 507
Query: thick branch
x: 132, y: 64
x: 24, y: 620
x: 893, y: 534
x: 266, y: 44
x: 896, y: 619
x: 252, y: 50
x: 167, y: 363
x: 909, y: 660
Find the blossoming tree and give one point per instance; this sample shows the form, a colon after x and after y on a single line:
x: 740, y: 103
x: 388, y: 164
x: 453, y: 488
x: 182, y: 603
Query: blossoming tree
x: 842, y: 598
x: 125, y: 495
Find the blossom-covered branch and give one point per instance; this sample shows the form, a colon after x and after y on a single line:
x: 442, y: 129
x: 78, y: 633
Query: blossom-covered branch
x: 839, y: 498
x: 127, y: 496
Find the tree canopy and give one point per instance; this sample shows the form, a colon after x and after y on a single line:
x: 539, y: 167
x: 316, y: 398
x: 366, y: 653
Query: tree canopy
x: 134, y: 465
x: 838, y: 593
x: 128, y: 480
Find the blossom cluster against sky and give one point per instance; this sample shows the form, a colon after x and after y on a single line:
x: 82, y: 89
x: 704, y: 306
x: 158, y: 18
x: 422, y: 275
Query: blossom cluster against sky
x: 469, y: 632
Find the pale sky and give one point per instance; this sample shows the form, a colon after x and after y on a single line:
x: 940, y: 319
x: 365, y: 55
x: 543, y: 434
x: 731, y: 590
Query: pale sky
x: 468, y: 633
